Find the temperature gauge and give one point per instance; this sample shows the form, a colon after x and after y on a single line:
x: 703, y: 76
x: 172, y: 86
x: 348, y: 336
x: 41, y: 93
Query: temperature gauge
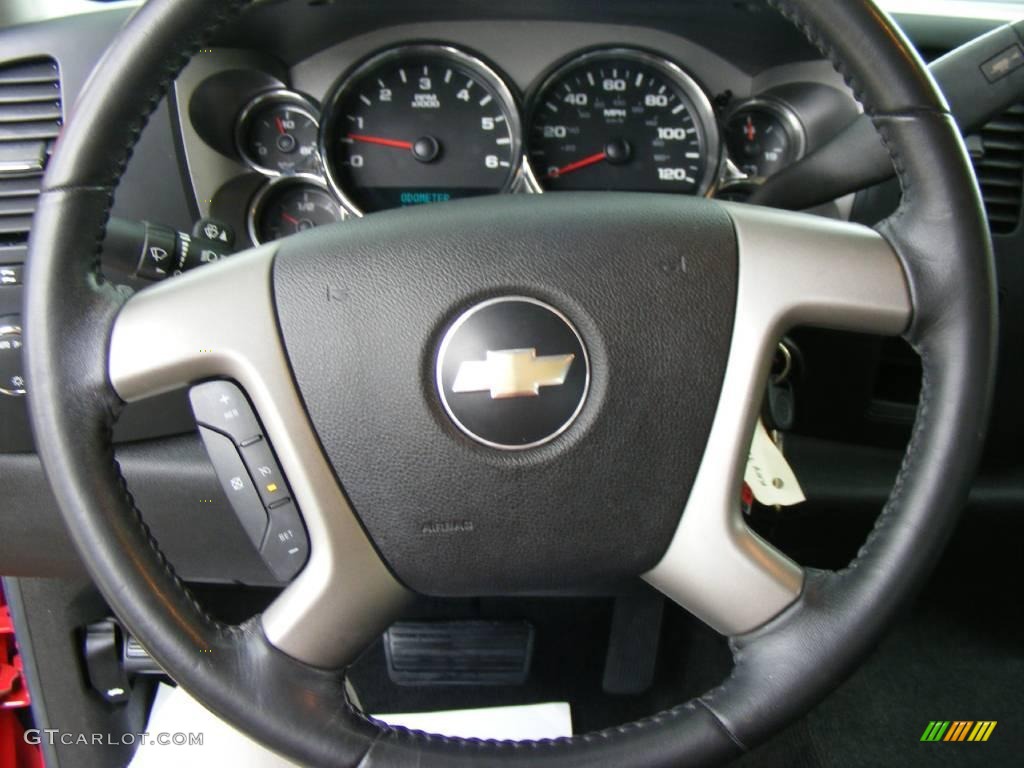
x: 277, y: 134
x: 764, y: 137
x: 290, y: 206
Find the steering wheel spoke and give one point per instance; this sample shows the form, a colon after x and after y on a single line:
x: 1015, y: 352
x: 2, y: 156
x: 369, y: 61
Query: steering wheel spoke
x: 794, y: 269
x: 220, y: 322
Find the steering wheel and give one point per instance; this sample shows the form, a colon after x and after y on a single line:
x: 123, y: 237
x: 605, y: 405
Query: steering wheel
x: 643, y: 325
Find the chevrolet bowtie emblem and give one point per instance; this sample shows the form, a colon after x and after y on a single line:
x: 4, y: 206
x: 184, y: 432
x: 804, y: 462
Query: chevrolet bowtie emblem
x: 512, y: 373
x: 480, y: 354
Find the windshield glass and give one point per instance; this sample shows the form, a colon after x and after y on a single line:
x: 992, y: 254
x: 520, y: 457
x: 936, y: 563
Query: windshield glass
x: 20, y: 11
x: 996, y: 10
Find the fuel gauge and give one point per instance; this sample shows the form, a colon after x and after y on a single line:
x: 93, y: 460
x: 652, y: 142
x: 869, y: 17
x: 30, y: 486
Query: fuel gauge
x: 763, y: 137
x: 289, y: 206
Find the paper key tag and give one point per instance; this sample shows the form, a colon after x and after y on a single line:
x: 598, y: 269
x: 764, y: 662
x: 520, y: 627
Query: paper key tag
x: 768, y: 473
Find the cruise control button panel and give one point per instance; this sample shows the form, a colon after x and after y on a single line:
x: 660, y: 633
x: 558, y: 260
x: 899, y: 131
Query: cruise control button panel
x: 251, y: 477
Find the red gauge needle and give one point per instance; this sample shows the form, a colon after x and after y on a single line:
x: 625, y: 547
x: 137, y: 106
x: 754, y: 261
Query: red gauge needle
x: 280, y: 125
x: 380, y: 140
x: 599, y: 157
x: 289, y: 219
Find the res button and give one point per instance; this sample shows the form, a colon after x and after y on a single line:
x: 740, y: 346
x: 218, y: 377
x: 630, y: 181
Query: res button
x: 220, y: 405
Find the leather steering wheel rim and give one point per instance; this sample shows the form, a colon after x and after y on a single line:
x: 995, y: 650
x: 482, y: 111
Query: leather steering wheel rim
x: 781, y: 669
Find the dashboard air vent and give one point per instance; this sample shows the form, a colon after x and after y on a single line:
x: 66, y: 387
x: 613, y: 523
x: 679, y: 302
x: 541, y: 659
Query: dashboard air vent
x: 30, y: 119
x: 998, y: 155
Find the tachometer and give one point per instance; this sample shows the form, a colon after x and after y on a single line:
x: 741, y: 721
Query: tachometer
x: 420, y: 124
x: 623, y: 119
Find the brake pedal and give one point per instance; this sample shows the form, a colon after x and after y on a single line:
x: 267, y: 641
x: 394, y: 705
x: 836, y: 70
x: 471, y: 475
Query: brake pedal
x: 459, y: 652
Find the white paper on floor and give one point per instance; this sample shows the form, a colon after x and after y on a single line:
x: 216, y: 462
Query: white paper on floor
x: 532, y: 721
x: 175, y: 712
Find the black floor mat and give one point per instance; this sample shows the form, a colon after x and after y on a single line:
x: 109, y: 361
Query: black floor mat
x: 958, y: 655
x: 570, y: 645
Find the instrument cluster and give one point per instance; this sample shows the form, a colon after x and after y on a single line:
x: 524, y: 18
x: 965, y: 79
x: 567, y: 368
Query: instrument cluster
x: 426, y: 123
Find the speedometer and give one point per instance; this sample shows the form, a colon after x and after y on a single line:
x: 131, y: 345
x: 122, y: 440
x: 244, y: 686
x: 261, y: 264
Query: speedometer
x: 420, y: 124
x: 623, y: 119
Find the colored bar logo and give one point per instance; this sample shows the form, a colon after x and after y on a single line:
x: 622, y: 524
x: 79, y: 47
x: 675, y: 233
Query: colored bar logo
x: 959, y: 730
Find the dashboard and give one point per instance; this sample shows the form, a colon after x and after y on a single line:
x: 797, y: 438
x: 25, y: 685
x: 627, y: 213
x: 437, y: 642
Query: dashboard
x: 256, y: 134
x: 406, y: 116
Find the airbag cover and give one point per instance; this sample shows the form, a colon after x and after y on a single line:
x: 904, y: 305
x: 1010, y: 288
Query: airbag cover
x: 649, y: 283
